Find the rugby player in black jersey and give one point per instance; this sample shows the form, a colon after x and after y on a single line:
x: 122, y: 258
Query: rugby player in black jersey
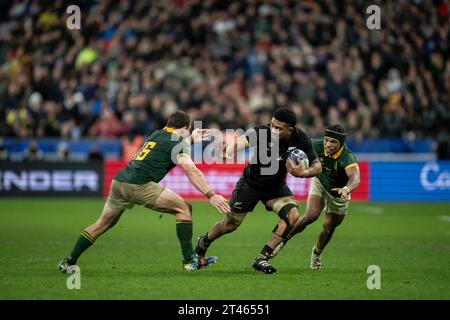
x: 264, y: 179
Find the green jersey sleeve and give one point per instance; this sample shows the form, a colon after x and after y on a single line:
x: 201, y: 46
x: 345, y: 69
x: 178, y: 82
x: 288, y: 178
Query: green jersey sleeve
x: 348, y: 160
x: 179, y: 147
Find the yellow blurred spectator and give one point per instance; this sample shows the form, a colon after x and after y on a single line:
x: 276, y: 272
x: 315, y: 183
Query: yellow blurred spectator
x: 86, y: 56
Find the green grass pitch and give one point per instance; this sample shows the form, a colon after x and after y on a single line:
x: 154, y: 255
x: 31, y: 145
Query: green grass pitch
x: 140, y: 257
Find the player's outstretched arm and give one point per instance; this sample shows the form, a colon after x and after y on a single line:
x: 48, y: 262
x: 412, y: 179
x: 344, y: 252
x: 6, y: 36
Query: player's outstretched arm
x: 353, y: 181
x: 197, y: 179
x: 314, y: 169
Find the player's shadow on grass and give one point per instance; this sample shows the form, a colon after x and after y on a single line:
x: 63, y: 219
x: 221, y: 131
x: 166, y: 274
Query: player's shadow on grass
x: 251, y: 272
x: 178, y: 273
x: 328, y: 270
x: 240, y: 271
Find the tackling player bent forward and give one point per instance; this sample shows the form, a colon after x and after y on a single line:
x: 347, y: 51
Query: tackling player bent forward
x: 259, y: 184
x: 137, y: 183
x: 330, y: 190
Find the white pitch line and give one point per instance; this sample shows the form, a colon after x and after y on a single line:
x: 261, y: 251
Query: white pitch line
x: 444, y: 218
x: 372, y: 210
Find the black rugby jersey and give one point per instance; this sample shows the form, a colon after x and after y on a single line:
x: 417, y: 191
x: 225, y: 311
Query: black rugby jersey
x: 260, y: 136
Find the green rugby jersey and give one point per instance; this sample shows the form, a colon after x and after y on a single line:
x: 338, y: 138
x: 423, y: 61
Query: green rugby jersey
x: 153, y: 161
x: 333, y: 167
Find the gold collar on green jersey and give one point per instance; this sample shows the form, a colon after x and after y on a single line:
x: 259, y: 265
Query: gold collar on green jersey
x: 170, y: 130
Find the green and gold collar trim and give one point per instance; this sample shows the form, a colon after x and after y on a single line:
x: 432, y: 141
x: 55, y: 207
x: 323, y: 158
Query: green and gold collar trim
x: 170, y: 130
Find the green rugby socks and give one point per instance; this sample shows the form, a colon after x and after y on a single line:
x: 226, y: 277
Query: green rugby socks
x: 84, y: 241
x: 184, y: 234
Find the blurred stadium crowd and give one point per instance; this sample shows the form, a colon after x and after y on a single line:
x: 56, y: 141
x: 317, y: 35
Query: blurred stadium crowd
x: 228, y: 63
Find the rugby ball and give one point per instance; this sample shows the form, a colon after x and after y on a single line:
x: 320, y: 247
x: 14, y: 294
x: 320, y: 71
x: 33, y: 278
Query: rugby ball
x: 297, y: 156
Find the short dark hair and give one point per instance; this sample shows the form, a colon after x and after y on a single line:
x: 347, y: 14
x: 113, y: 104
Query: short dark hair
x: 179, y: 119
x: 285, y: 115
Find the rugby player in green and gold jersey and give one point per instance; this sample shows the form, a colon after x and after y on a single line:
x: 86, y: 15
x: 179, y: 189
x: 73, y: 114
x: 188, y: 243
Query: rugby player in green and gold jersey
x: 137, y: 183
x: 330, y: 190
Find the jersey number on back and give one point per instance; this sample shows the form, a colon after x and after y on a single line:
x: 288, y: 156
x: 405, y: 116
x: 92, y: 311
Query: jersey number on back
x: 144, y: 151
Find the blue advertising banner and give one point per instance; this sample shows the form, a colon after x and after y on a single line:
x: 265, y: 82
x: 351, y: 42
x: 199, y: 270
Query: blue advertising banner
x: 414, y: 181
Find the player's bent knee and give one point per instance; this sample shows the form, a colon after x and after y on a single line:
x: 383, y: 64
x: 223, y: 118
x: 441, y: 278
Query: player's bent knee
x: 189, y: 206
x: 293, y: 216
x: 182, y: 209
x: 188, y: 209
x: 285, y: 212
x: 183, y: 213
x: 283, y: 207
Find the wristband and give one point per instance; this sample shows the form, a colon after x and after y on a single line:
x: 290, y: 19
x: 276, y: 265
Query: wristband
x: 347, y: 189
x: 210, y: 194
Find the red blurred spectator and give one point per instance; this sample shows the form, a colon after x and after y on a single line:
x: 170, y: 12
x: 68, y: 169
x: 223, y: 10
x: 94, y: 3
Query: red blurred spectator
x: 107, y: 126
x: 130, y: 145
